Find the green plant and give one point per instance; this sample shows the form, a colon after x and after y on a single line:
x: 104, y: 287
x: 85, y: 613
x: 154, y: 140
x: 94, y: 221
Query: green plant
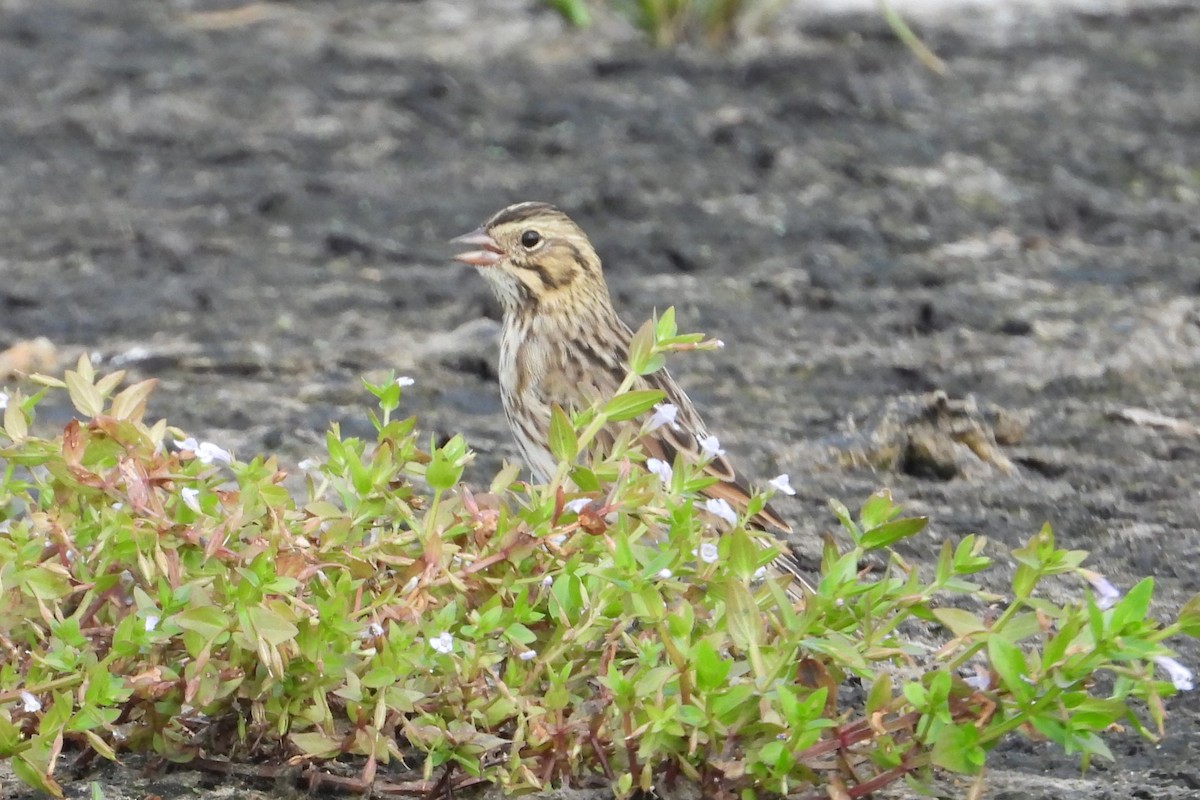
x: 184, y: 603
x: 667, y: 22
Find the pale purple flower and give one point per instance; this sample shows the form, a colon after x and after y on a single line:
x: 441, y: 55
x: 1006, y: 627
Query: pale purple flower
x: 191, y: 498
x: 528, y: 655
x: 1107, y: 595
x: 711, y: 446
x: 442, y: 643
x: 309, y: 463
x: 29, y: 703
x: 151, y: 622
x: 760, y: 574
x: 3, y: 401
x: 373, y: 631
x: 720, y: 508
x: 664, y: 414
x: 782, y: 484
x: 1180, y: 675
x: 577, y: 505
x: 547, y: 581
x: 708, y: 551
x: 980, y: 683
x: 660, y: 468
x: 404, y: 381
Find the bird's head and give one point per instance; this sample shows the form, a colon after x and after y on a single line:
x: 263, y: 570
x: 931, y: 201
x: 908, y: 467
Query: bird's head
x: 536, y: 258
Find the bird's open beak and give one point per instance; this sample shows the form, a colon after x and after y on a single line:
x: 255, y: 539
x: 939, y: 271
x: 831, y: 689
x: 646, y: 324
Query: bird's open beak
x: 487, y: 254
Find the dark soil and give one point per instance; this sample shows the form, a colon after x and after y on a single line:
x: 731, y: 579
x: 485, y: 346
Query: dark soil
x: 252, y: 207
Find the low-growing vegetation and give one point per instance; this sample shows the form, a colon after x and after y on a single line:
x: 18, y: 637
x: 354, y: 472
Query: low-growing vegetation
x: 668, y: 22
x: 159, y: 595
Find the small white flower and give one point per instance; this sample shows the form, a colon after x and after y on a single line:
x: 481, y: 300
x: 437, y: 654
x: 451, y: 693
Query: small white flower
x: 760, y: 574
x: 3, y: 401
x: 660, y: 468
x: 528, y: 655
x: 1180, y: 675
x: 711, y: 447
x: 979, y: 683
x: 410, y: 585
x: 309, y: 463
x: 547, y: 581
x: 708, y: 551
x: 373, y: 631
x: 117, y: 506
x: 718, y: 507
x: 151, y: 622
x: 577, y: 505
x: 29, y: 703
x: 664, y: 414
x: 442, y: 643
x: 404, y: 381
x: 665, y: 573
x: 208, y: 452
x: 1107, y: 595
x: 191, y: 498
x: 782, y: 484
x: 720, y: 343
x: 131, y: 356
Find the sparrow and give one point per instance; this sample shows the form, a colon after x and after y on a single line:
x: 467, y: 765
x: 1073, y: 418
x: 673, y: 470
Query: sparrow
x: 562, y: 343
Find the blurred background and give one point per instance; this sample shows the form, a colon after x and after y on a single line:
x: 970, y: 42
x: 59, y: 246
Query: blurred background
x: 997, y: 201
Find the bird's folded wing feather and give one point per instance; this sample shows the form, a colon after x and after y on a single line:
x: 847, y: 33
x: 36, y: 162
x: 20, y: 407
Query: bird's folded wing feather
x: 668, y: 441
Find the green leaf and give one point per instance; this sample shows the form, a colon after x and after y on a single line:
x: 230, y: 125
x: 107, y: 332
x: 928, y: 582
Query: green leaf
x: 742, y: 616
x: 632, y: 404
x: 959, y: 621
x: 84, y: 396
x: 957, y: 749
x: 207, y: 621
x: 271, y: 626
x: 665, y: 327
x: 880, y: 695
x: 1009, y: 663
x: 916, y: 694
x: 843, y: 516
x: 1131, y: 610
x: 573, y: 11
x: 711, y: 668
x: 877, y: 510
x: 35, y: 777
x: 446, y: 464
x: 563, y: 444
x: 1189, y: 617
x: 642, y: 358
x: 16, y: 424
x: 317, y: 744
x: 889, y: 533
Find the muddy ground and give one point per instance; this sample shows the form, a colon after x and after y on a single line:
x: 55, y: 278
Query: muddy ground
x: 252, y: 206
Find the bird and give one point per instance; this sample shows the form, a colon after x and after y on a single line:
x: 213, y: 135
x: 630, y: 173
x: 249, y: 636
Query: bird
x: 562, y: 343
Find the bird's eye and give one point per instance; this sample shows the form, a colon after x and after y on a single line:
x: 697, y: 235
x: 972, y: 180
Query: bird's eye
x: 530, y: 239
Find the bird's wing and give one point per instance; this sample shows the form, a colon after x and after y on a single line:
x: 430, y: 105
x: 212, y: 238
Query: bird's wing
x: 667, y: 441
